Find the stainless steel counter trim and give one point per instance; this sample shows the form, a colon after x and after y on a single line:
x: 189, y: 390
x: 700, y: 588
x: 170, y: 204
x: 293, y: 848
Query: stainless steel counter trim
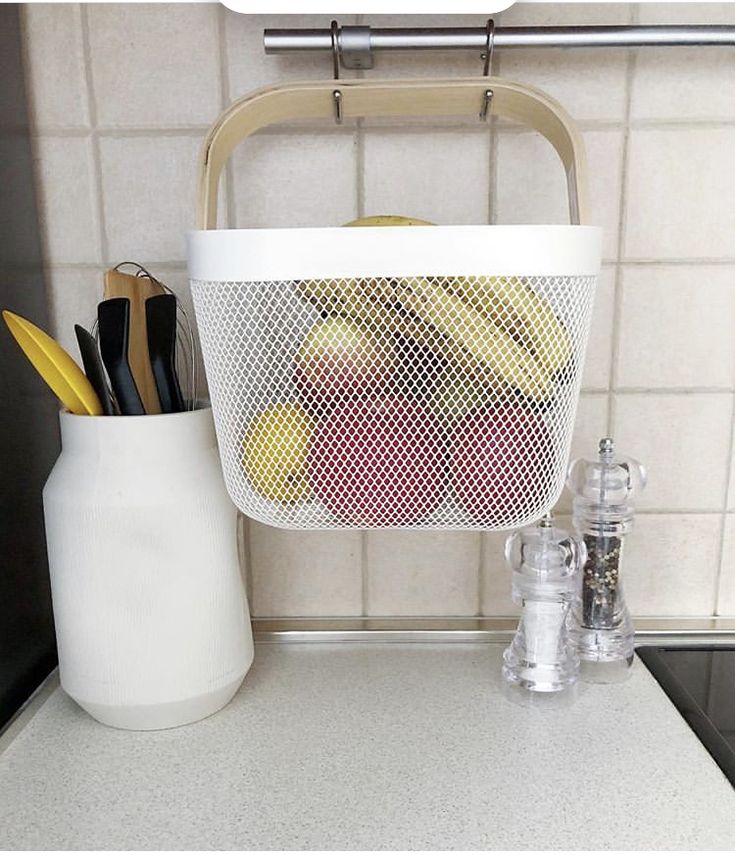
x: 471, y: 630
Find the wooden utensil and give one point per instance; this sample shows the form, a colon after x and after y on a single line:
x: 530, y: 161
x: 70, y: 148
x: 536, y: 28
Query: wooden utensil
x: 62, y: 374
x: 137, y: 289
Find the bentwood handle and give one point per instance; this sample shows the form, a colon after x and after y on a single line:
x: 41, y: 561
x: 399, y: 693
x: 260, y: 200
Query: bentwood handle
x: 373, y: 98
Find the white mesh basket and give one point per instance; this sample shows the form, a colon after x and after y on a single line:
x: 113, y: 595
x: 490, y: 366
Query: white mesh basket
x: 422, y: 377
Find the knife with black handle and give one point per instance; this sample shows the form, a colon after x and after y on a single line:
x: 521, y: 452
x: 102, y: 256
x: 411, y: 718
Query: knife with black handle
x: 160, y: 317
x: 113, y: 319
x: 93, y: 368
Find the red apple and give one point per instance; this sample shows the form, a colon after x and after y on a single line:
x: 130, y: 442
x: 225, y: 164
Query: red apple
x: 379, y: 462
x: 339, y: 358
x: 500, y: 464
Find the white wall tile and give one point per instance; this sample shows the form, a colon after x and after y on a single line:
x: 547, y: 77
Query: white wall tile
x: 155, y: 65
x: 67, y: 200
x: 590, y: 84
x: 669, y: 564
x: 531, y: 185
x: 250, y: 67
x: 668, y: 85
x: 683, y: 440
x: 305, y: 573
x: 679, y: 194
x: 148, y: 186
x: 682, y: 318
x: 422, y: 573
x: 307, y: 179
x: 599, y: 348
x: 726, y: 593
x: 496, y: 577
x: 731, y: 485
x: 73, y: 297
x: 676, y: 83
x: 590, y: 426
x: 56, y: 84
x: 440, y: 176
x: 686, y: 13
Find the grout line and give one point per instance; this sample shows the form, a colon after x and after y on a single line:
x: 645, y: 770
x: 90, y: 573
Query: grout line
x: 673, y: 262
x: 462, y: 125
x: 248, y: 560
x: 360, y: 180
x: 481, y: 574
x: 360, y: 169
x: 491, y: 169
x: 493, y: 132
x: 96, y: 155
x: 95, y: 265
x: 673, y: 390
x: 226, y: 96
x: 622, y: 222
x: 721, y: 544
x: 679, y: 512
x: 364, y: 572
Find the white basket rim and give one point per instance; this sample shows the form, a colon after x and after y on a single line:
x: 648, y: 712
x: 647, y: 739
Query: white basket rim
x: 284, y: 254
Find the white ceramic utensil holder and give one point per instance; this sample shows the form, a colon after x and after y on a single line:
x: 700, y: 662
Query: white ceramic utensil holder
x: 152, y: 620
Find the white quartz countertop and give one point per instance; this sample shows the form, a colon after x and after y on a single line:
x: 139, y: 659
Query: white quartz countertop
x: 364, y: 745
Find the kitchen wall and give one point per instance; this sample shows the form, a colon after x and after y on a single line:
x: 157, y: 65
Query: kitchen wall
x: 121, y: 98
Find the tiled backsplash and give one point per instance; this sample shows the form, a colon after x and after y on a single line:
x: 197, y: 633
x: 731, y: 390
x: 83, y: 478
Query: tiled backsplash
x: 122, y: 95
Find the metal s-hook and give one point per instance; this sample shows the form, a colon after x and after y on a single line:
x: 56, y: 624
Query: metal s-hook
x: 489, y: 46
x: 487, y: 56
x: 336, y: 94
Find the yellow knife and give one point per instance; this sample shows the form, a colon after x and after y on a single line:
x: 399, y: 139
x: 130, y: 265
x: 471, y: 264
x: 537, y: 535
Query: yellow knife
x: 66, y: 379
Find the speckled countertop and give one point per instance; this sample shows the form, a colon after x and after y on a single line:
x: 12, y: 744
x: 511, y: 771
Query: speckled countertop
x: 372, y: 746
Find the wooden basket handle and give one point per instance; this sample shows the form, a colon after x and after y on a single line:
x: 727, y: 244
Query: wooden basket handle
x: 371, y: 98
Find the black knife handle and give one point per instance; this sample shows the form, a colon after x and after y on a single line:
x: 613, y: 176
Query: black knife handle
x: 113, y: 318
x: 160, y: 318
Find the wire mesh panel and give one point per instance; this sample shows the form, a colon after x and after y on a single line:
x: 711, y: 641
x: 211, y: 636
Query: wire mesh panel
x: 395, y: 401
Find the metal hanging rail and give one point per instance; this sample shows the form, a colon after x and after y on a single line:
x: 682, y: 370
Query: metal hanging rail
x: 355, y: 44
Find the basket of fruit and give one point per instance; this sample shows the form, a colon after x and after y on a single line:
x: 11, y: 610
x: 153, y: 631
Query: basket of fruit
x: 395, y: 373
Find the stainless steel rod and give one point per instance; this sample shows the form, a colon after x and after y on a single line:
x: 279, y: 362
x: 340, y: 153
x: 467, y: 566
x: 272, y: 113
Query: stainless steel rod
x: 474, y: 38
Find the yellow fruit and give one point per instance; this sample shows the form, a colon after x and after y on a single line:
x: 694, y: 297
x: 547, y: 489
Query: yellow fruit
x: 389, y: 220
x: 275, y: 449
x: 488, y: 345
x: 521, y: 312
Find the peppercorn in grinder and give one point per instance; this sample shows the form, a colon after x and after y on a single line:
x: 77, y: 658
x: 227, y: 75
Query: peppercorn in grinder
x: 602, y: 629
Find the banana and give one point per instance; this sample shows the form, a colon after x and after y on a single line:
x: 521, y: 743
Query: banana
x: 466, y: 322
x: 389, y: 220
x: 375, y: 303
x: 488, y: 345
x: 518, y: 310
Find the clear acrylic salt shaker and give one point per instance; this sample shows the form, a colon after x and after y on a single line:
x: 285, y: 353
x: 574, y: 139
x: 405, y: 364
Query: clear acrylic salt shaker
x: 541, y: 663
x: 602, y: 628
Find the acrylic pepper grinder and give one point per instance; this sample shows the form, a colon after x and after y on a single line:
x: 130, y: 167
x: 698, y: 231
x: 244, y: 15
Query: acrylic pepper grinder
x: 603, y: 512
x: 540, y: 662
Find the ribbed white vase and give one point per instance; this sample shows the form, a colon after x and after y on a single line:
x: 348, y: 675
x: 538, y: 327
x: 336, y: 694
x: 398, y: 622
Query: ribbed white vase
x: 152, y: 620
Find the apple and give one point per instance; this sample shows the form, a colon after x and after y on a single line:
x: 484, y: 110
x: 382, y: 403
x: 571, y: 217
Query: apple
x: 274, y: 452
x: 338, y: 358
x: 500, y: 460
x: 379, y: 462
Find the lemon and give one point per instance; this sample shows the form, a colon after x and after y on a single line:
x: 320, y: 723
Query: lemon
x: 275, y: 449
